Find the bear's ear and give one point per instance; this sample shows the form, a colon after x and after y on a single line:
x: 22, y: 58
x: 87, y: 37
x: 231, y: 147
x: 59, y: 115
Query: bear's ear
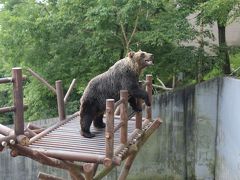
x: 131, y: 54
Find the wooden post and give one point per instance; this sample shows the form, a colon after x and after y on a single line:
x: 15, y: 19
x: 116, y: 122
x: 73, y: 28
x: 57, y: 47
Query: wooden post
x: 109, y: 132
x: 149, y: 91
x: 18, y: 101
x: 60, y: 100
x: 124, y: 116
x: 139, y: 115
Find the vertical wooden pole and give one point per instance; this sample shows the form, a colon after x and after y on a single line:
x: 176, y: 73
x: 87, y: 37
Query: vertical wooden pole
x: 60, y: 100
x: 109, y: 131
x: 149, y: 91
x: 139, y: 115
x: 18, y: 101
x: 124, y: 116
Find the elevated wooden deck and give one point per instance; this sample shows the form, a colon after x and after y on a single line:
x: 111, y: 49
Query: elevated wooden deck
x: 62, y: 146
x: 64, y: 141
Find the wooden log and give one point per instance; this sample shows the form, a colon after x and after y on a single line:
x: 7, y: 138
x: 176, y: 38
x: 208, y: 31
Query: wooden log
x: 30, y: 132
x: 44, y: 176
x: 37, y: 156
x: 124, y: 116
x: 7, y: 109
x: 130, y: 138
x: 73, y: 156
x: 138, y: 115
x: 42, y: 80
x: 109, y: 130
x: 88, y: 170
x: 69, y: 90
x: 7, y: 139
x: 6, y: 80
x: 37, y: 131
x: 116, y: 104
x: 44, y: 132
x: 149, y: 91
x: 125, y: 169
x: 1, y: 148
x: 32, y: 126
x: 10, y: 109
x: 3, y: 143
x: 18, y: 101
x: 118, y: 126
x: 103, y: 172
x: 132, y: 153
x: 60, y: 100
x: 5, y: 130
x: 22, y: 140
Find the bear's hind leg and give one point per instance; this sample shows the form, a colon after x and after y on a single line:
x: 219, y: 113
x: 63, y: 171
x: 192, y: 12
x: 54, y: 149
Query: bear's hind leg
x: 85, y: 123
x: 98, y: 122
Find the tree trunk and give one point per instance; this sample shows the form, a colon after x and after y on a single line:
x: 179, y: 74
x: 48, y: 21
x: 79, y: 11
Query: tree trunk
x: 201, y: 55
x: 223, y: 51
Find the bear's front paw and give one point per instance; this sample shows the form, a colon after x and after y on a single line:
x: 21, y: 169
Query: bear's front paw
x: 87, y: 134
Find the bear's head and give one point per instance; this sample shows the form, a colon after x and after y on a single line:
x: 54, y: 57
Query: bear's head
x: 141, y: 59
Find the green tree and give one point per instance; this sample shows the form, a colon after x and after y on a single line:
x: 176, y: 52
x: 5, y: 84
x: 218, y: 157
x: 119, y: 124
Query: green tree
x: 80, y: 38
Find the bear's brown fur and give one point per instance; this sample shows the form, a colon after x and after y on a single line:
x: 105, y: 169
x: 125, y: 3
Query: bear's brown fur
x: 123, y: 75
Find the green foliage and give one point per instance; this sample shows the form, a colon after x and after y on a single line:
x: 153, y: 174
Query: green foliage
x: 79, y: 39
x: 235, y: 60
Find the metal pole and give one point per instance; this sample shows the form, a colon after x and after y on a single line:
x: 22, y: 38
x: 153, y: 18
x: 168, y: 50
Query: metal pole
x: 18, y: 101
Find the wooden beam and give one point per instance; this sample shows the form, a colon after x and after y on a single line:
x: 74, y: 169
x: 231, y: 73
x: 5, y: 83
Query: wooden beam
x: 109, y: 131
x: 127, y: 165
x: 42, y: 80
x: 5, y: 130
x: 149, y: 91
x: 43, y: 133
x: 103, y: 172
x: 60, y: 100
x: 6, y: 80
x: 44, y: 176
x: 138, y: 115
x: 18, y: 101
x: 10, y: 109
x: 69, y: 90
x: 88, y: 170
x: 124, y: 117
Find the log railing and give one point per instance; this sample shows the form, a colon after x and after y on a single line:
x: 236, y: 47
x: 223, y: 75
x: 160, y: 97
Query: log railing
x: 58, y: 91
x: 8, y: 136
x: 111, y: 106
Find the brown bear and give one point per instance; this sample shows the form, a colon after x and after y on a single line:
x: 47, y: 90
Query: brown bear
x: 123, y: 75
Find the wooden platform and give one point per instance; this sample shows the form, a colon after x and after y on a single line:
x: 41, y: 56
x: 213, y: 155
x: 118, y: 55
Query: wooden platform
x: 64, y: 141
x: 61, y: 145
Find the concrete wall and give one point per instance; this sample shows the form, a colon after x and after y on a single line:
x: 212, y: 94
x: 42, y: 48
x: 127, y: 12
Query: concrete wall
x: 199, y: 138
